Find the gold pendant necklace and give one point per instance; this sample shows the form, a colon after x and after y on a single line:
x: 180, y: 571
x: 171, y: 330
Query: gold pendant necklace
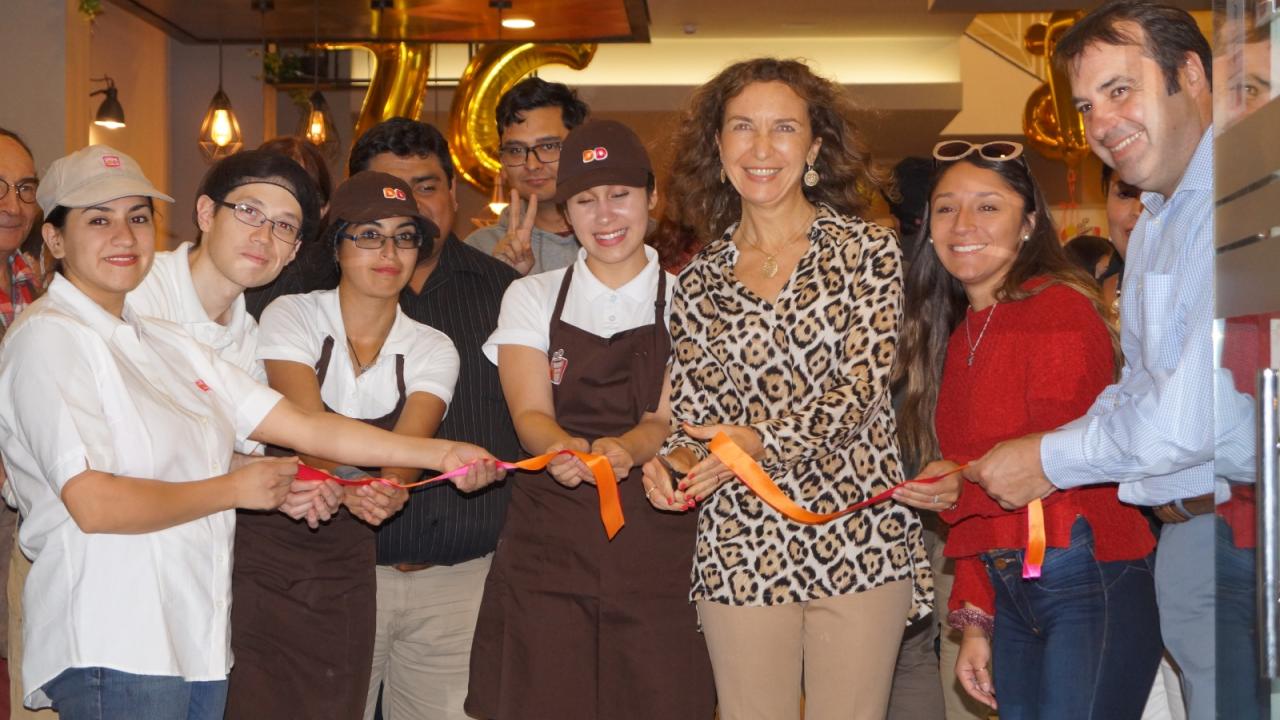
x: 769, y: 268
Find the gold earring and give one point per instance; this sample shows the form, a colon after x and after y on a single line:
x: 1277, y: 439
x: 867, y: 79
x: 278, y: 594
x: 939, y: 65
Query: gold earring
x: 723, y: 177
x: 811, y: 176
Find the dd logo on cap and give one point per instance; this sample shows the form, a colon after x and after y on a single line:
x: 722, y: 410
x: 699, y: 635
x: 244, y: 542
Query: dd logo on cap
x: 593, y: 154
x: 393, y: 194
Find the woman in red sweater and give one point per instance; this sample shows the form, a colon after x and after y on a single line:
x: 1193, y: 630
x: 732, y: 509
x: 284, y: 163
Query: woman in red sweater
x: 1002, y: 337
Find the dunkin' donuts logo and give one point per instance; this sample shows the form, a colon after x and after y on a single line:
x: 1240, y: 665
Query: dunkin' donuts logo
x: 111, y: 161
x: 594, y: 154
x: 393, y: 194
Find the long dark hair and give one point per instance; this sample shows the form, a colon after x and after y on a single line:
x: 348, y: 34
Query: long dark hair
x: 698, y: 200
x: 935, y: 302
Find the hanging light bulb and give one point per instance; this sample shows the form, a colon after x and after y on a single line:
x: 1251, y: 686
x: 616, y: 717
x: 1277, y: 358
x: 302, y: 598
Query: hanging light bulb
x: 220, y: 132
x: 498, y: 201
x: 317, y: 126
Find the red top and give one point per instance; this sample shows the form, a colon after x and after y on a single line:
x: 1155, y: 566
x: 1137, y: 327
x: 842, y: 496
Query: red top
x: 1039, y: 365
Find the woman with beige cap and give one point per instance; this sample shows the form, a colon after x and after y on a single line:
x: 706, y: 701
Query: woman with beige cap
x: 572, y: 624
x: 117, y: 433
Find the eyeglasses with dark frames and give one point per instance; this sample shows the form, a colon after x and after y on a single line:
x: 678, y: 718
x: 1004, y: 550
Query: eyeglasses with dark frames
x: 26, y: 190
x: 281, y: 230
x: 517, y: 155
x: 374, y: 240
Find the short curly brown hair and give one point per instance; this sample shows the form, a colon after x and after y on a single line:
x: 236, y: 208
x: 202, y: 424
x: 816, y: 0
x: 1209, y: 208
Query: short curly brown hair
x: 697, y: 199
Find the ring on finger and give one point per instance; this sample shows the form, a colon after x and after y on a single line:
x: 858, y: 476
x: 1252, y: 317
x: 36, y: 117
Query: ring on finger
x: 935, y: 499
x: 649, y: 492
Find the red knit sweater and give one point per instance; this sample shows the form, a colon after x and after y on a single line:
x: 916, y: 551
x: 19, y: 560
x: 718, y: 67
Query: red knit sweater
x: 1040, y: 364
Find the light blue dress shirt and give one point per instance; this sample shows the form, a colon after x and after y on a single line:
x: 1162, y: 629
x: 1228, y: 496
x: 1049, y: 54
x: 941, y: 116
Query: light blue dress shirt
x: 1153, y: 430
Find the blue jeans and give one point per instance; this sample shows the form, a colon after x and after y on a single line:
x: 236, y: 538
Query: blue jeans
x: 1080, y: 643
x: 1242, y: 694
x: 98, y: 693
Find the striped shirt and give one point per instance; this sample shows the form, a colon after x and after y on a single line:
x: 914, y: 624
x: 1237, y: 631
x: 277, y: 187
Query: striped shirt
x: 440, y: 525
x: 1153, y: 431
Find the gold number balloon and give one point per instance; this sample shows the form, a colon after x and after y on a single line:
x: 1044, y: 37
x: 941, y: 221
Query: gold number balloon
x: 1050, y: 120
x: 473, y: 130
x: 398, y: 83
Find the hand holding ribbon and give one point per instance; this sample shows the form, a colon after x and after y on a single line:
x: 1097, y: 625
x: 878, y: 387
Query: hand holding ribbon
x: 601, y: 471
x: 762, y: 485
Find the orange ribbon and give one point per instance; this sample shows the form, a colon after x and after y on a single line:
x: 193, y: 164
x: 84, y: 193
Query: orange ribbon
x: 750, y: 472
x: 606, y: 483
x: 1035, y: 541
x: 754, y: 476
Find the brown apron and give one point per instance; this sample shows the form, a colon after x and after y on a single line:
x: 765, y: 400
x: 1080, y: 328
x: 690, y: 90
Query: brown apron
x: 304, y: 606
x: 573, y: 626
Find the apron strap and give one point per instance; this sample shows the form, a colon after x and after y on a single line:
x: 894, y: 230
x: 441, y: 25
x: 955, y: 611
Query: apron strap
x: 564, y: 292
x: 322, y: 367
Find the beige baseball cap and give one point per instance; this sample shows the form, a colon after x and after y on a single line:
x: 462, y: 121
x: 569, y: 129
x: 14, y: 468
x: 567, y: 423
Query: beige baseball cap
x: 93, y: 175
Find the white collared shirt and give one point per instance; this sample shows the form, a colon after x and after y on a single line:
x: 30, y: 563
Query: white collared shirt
x: 294, y: 328
x: 527, y: 306
x: 168, y: 293
x: 81, y: 389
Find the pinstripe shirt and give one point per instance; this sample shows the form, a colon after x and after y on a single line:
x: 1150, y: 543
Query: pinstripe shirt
x: 439, y: 525
x: 1153, y: 431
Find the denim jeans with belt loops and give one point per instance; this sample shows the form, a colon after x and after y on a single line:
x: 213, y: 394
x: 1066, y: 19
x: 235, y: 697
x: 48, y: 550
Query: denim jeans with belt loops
x: 1080, y: 643
x: 97, y: 693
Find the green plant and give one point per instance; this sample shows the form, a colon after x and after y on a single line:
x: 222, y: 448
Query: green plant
x: 90, y: 9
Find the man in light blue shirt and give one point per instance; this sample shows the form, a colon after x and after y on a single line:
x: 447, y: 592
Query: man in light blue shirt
x: 1140, y: 77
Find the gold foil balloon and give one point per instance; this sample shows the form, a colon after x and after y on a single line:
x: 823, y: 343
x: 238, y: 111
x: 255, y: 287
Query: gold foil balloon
x: 473, y: 128
x: 1050, y: 121
x: 398, y: 83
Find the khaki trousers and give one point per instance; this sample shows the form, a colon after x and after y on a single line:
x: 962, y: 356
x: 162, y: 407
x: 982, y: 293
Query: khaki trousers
x: 19, y: 566
x: 843, y: 648
x: 422, y: 641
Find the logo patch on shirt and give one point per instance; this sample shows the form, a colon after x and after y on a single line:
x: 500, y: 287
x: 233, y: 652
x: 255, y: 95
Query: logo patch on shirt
x: 202, y: 385
x: 593, y: 154
x: 393, y: 194
x: 559, y: 363
x: 111, y: 160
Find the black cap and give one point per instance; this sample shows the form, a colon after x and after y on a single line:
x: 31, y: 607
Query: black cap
x: 368, y: 196
x: 601, y: 152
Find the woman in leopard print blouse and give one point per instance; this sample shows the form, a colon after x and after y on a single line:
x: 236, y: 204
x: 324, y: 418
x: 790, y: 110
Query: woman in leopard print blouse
x: 784, y: 329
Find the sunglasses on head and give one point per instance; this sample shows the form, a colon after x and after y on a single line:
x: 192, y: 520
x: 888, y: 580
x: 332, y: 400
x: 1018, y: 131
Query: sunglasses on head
x: 996, y: 151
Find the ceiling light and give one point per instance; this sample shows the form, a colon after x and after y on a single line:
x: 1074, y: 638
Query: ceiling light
x: 110, y: 113
x: 220, y: 132
x: 517, y: 23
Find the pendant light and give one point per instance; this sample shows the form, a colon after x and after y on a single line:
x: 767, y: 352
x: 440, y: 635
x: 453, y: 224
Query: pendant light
x: 220, y: 132
x: 317, y: 125
x: 110, y: 113
x: 498, y: 201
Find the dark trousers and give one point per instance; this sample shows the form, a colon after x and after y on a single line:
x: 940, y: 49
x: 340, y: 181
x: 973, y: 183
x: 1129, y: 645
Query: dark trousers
x: 1242, y: 694
x: 1080, y: 643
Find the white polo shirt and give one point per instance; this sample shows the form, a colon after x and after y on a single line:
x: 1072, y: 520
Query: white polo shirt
x: 294, y: 328
x: 527, y: 306
x: 81, y: 389
x: 168, y: 293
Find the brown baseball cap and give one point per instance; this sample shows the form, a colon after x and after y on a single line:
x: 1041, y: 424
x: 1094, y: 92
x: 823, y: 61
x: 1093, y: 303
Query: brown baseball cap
x: 93, y: 175
x: 601, y: 152
x: 370, y: 195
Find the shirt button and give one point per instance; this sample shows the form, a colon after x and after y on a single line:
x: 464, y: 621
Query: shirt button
x: 219, y: 604
x: 612, y: 318
x: 613, y: 298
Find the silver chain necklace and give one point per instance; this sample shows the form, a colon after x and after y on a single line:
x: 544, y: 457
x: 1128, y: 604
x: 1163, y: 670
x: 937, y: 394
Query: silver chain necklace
x: 973, y: 346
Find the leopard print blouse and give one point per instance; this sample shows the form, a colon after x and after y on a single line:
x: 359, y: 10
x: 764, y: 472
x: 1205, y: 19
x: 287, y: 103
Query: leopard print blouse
x: 810, y: 373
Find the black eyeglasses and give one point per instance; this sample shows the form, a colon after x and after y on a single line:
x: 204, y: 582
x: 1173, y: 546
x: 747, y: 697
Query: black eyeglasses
x: 516, y: 155
x: 374, y: 240
x: 281, y: 230
x: 26, y: 191
x: 996, y: 151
